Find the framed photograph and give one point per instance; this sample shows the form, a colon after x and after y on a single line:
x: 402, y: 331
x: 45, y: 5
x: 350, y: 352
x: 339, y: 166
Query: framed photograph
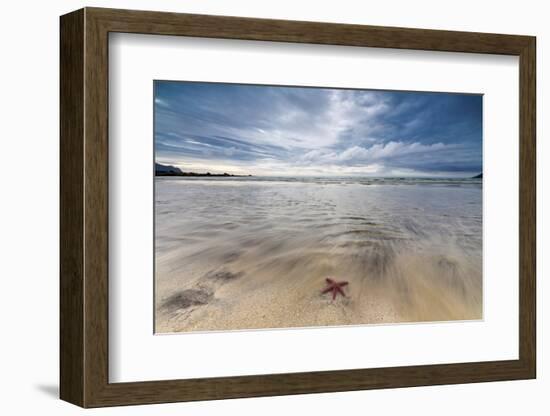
x: 244, y: 199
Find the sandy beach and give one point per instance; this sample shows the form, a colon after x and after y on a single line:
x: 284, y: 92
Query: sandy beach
x: 254, y: 253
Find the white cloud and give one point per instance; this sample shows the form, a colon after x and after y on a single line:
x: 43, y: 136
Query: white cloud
x: 160, y: 102
x: 267, y: 167
x: 377, y: 152
x: 198, y: 143
x: 291, y: 126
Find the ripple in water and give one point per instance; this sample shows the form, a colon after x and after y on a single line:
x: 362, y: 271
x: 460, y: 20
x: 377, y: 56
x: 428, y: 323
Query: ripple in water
x: 254, y: 253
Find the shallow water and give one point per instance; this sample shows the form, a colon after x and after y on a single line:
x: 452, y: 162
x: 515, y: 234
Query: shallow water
x: 232, y: 252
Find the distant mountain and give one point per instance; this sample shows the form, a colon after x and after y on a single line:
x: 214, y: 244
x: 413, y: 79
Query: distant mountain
x: 480, y: 176
x: 167, y: 169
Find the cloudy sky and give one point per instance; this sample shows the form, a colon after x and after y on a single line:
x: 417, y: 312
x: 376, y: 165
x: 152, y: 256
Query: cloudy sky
x: 265, y: 130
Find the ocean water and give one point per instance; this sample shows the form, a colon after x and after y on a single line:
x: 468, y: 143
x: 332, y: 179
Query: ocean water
x: 230, y: 253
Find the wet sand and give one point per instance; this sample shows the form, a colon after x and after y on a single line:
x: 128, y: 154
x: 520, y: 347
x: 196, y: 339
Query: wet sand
x: 247, y: 254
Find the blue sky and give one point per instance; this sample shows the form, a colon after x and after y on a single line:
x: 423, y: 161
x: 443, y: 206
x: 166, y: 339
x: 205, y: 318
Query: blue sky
x: 271, y: 130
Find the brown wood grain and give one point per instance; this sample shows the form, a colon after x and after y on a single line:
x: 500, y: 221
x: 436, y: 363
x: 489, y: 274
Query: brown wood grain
x: 71, y: 203
x: 84, y: 207
x: 527, y: 208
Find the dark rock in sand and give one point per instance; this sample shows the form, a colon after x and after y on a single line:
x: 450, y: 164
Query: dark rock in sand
x: 187, y: 298
x: 223, y: 275
x: 447, y: 264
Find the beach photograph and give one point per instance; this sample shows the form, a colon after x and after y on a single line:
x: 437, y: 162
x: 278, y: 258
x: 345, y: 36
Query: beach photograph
x: 301, y: 207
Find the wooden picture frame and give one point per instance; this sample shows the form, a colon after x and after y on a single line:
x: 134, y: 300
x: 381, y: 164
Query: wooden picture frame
x: 84, y: 207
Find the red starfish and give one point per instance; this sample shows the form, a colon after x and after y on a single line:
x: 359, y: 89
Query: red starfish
x: 334, y: 287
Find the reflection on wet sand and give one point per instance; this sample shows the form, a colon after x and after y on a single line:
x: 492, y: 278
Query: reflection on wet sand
x: 243, y: 254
